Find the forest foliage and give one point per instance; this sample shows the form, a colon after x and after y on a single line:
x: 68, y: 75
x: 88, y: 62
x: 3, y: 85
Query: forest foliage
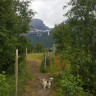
x: 15, y: 16
x: 76, y: 41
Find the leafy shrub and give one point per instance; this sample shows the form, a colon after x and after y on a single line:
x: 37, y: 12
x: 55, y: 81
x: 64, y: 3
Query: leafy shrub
x: 7, y: 82
x: 69, y: 86
x: 3, y: 85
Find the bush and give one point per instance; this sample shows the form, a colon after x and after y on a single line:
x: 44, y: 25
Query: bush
x: 4, y: 86
x: 7, y: 82
x: 69, y: 86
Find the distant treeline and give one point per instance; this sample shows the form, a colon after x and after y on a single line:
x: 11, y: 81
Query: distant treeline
x: 44, y: 38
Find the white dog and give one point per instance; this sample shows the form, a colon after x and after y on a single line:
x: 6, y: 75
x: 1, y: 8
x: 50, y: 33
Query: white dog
x: 47, y: 83
x: 51, y: 79
x: 44, y: 83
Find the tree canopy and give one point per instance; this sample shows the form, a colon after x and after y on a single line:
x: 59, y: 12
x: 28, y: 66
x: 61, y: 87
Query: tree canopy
x: 15, y: 16
x: 76, y: 40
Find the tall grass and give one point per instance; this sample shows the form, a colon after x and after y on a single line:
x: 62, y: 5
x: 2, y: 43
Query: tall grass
x: 7, y: 82
x: 48, y: 68
x: 8, y: 86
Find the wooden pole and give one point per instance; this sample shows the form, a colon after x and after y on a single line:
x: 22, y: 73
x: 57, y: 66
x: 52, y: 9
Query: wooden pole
x: 26, y: 56
x: 47, y: 51
x: 45, y: 60
x: 16, y: 72
x: 50, y: 61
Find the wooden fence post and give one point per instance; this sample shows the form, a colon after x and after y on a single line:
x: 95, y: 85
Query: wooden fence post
x: 16, y: 73
x: 53, y: 50
x: 48, y: 52
x: 45, y: 59
x: 50, y: 60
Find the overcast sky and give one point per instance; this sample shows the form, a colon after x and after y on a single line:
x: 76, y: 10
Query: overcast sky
x: 50, y: 11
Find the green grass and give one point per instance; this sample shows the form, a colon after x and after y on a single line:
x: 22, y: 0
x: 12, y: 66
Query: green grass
x: 8, y: 85
x: 29, y: 76
x: 10, y: 81
x: 48, y: 69
x: 42, y: 68
x: 35, y: 56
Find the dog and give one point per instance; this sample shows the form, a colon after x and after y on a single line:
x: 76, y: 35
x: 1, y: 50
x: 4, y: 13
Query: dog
x: 44, y: 83
x: 51, y: 80
x: 47, y: 83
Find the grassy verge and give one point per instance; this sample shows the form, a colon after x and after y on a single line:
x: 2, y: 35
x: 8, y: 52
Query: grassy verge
x: 48, y: 69
x: 7, y: 84
x: 35, y: 56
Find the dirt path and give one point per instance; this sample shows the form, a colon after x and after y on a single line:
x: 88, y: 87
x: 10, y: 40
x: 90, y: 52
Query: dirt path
x: 34, y: 87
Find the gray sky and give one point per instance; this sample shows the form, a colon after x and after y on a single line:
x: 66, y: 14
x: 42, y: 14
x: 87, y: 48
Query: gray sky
x: 50, y: 11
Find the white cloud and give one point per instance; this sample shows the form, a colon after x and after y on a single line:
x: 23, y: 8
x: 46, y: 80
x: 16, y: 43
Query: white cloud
x: 50, y: 11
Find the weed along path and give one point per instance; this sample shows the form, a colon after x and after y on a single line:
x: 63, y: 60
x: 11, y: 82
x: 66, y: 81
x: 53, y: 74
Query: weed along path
x: 33, y: 86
